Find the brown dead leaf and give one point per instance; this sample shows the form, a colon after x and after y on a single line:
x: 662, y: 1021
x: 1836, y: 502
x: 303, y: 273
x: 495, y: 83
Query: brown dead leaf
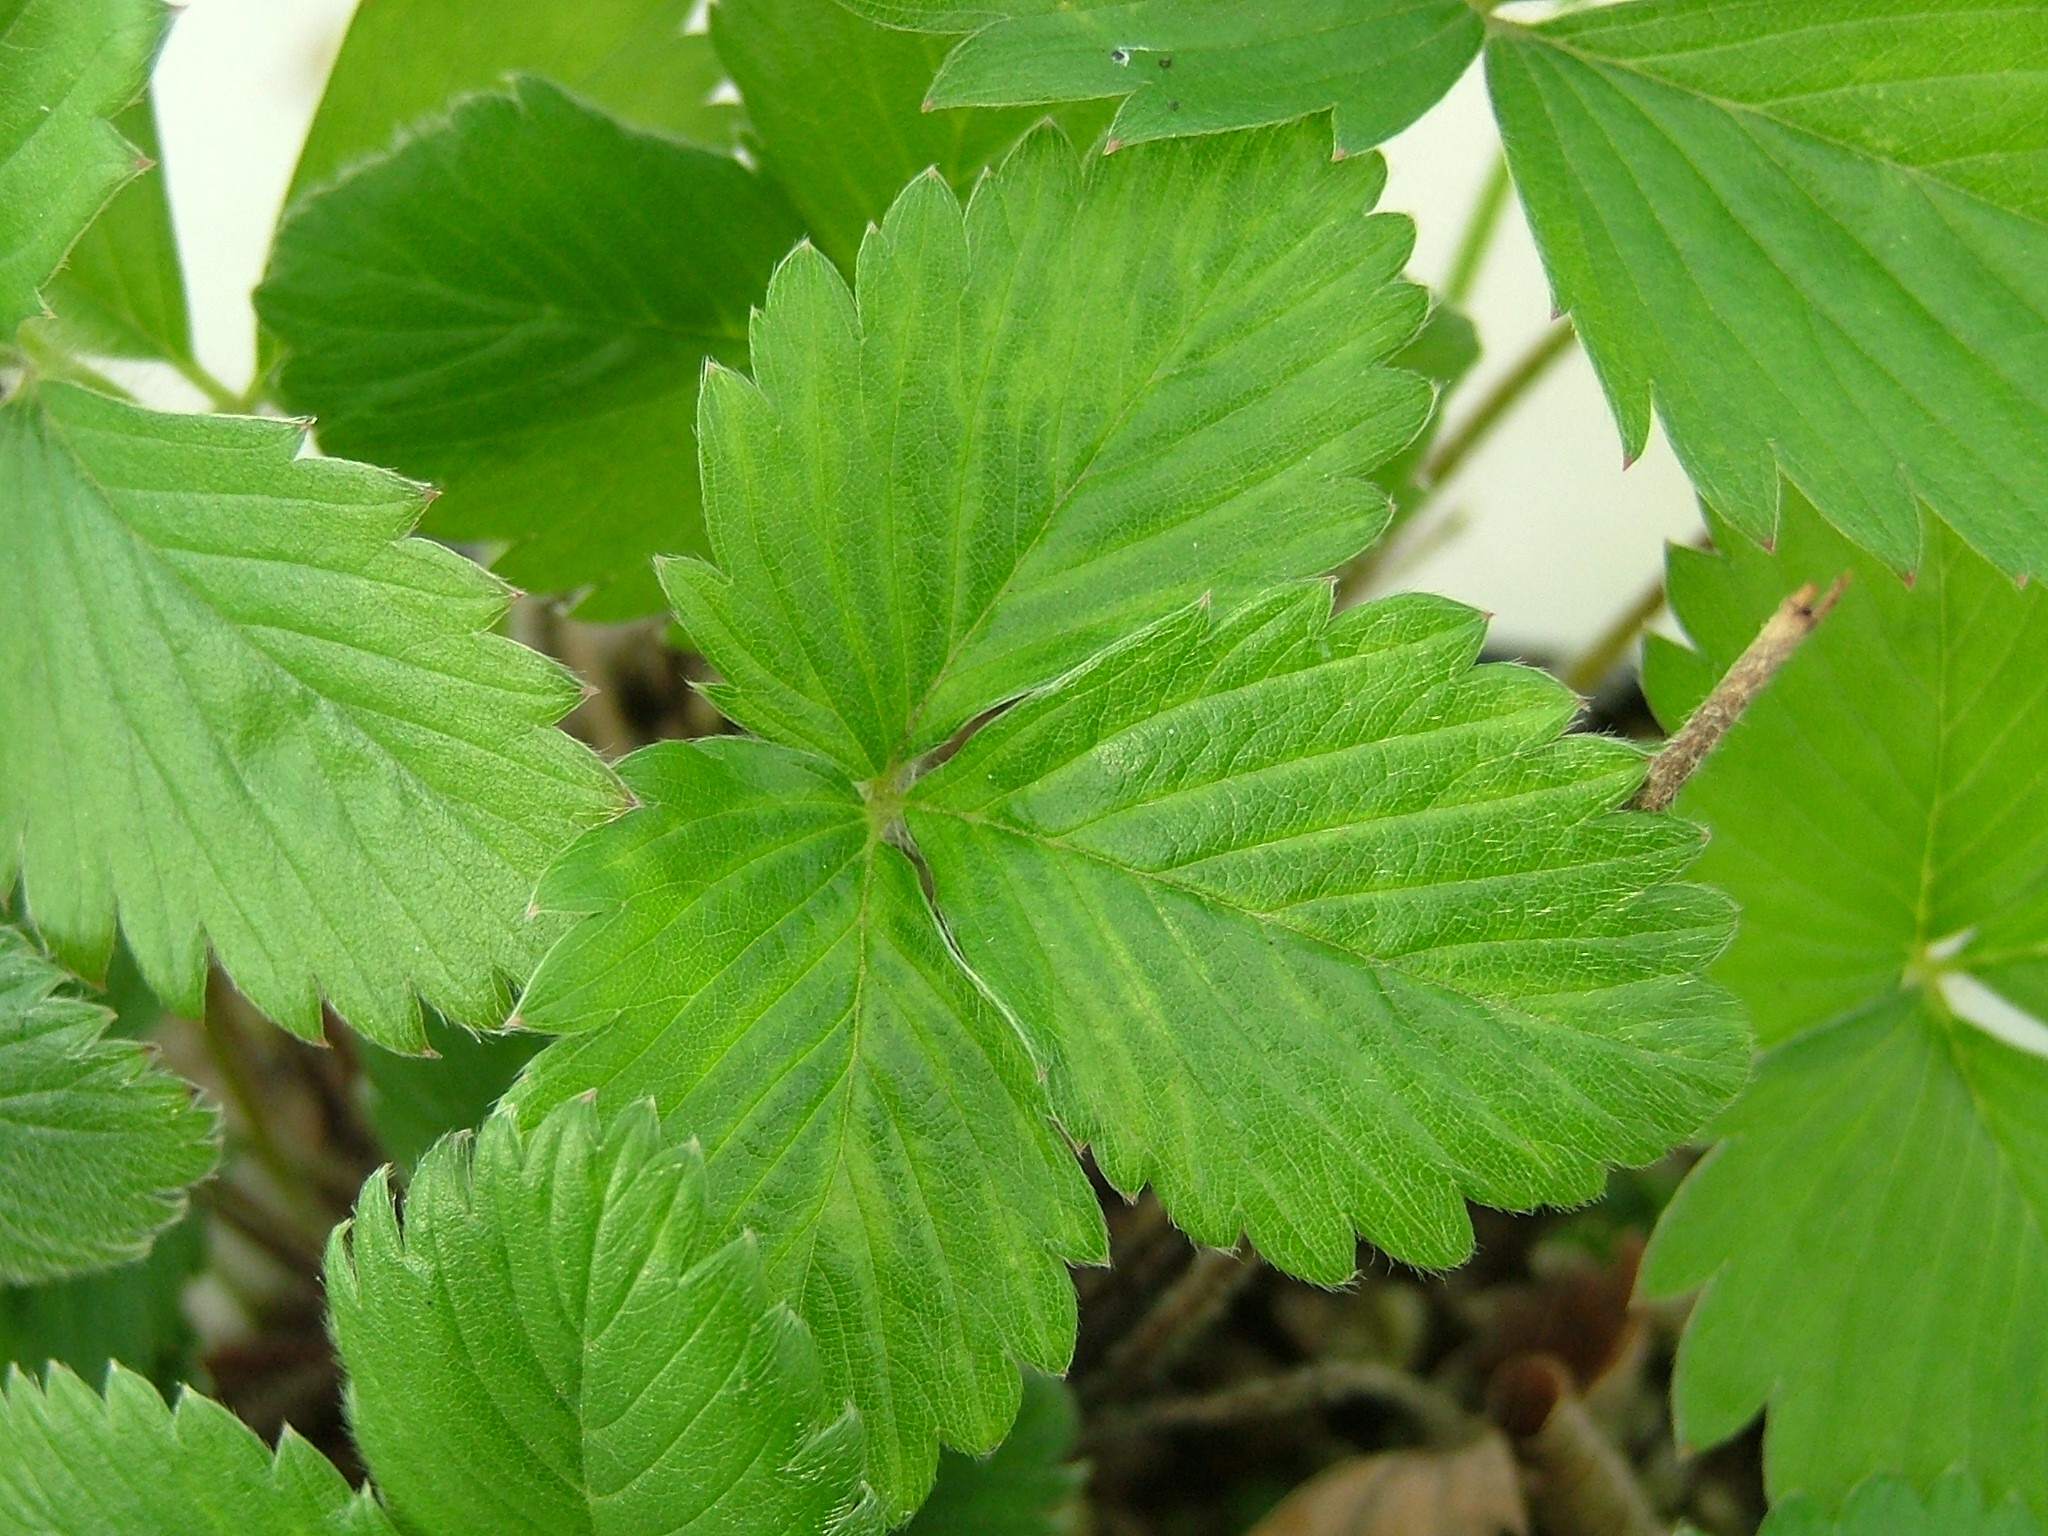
x: 1472, y: 1491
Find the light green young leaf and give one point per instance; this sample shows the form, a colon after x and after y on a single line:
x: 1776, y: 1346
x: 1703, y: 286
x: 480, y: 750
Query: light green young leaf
x: 1319, y: 930
x: 133, y: 1314
x: 1026, y: 1487
x: 97, y: 1144
x: 1817, y: 236
x: 407, y: 59
x: 121, y: 291
x: 1202, y: 66
x: 990, y: 461
x: 244, y: 709
x: 75, y: 1464
x: 67, y: 67
x: 1876, y: 1216
x: 1888, y: 1506
x: 562, y: 1341
x: 769, y: 974
x: 517, y: 303
x: 835, y: 106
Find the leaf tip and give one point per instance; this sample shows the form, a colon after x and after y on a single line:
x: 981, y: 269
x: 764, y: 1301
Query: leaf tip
x: 1111, y: 146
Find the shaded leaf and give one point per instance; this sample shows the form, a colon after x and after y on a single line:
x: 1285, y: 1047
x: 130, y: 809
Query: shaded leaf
x: 250, y: 713
x: 97, y: 1144
x: 560, y: 1341
x: 517, y: 303
x: 1874, y: 1215
x: 413, y: 1101
x: 1025, y: 1487
x: 133, y: 1315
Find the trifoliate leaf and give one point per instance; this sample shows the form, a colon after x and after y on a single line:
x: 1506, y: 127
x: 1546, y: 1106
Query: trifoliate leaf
x: 993, y: 459
x: 243, y: 709
x: 121, y: 291
x: 1818, y: 236
x: 1876, y: 1215
x: 769, y: 974
x: 74, y: 1464
x: 413, y: 1101
x: 1026, y: 1487
x: 97, y: 1145
x: 408, y: 59
x: 517, y: 303
x: 66, y: 68
x: 1319, y: 930
x: 1201, y: 66
x: 561, y: 1341
x: 134, y: 1314
x: 1888, y: 1506
x: 835, y: 105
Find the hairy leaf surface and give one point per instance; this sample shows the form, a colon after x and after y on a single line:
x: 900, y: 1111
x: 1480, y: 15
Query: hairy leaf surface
x: 517, y: 303
x: 404, y: 60
x: 245, y: 710
x: 1200, y: 66
x: 1026, y: 1487
x: 1817, y: 235
x: 991, y: 460
x: 770, y: 976
x: 67, y: 67
x: 97, y: 1144
x: 835, y: 106
x: 1876, y: 1216
x: 561, y: 1341
x: 1888, y: 1506
x: 1320, y: 930
x: 75, y: 1464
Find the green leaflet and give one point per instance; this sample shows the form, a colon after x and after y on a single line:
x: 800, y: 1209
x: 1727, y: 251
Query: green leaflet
x: 989, y: 462
x: 133, y: 1314
x: 66, y: 68
x: 1873, y: 1219
x: 771, y: 977
x: 1886, y: 1506
x: 560, y: 1342
x: 1202, y: 66
x: 244, y: 710
x: 1027, y: 1487
x: 96, y: 1144
x: 121, y: 291
x: 407, y: 59
x: 1320, y: 930
x: 834, y: 105
x: 1818, y: 235
x: 74, y: 1464
x: 518, y: 302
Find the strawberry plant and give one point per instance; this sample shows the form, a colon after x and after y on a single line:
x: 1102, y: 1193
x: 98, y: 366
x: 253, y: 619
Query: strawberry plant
x: 975, y: 404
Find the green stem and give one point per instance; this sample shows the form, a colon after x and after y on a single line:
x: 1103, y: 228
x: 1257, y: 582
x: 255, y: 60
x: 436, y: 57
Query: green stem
x: 1593, y: 664
x: 218, y: 394
x: 1481, y: 225
x: 1527, y: 372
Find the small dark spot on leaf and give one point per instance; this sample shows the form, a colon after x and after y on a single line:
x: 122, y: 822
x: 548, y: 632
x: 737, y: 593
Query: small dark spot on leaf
x: 1173, y: 106
x: 1166, y: 61
x: 1119, y: 55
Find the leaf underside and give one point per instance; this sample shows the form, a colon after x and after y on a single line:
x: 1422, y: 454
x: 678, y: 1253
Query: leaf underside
x: 246, y: 711
x: 517, y: 304
x: 97, y: 1145
x: 1873, y: 1219
x: 559, y: 1341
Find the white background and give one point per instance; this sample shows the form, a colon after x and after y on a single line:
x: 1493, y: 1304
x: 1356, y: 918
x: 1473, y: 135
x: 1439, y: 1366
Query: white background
x: 1551, y: 536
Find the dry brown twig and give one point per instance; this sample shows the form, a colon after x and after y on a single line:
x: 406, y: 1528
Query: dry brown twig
x: 1783, y: 633
x: 1435, y: 1412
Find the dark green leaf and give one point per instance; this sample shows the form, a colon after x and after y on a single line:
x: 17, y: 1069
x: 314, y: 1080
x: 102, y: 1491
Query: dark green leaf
x: 518, y: 303
x: 413, y: 1101
x: 133, y: 1315
x: 1026, y: 1487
